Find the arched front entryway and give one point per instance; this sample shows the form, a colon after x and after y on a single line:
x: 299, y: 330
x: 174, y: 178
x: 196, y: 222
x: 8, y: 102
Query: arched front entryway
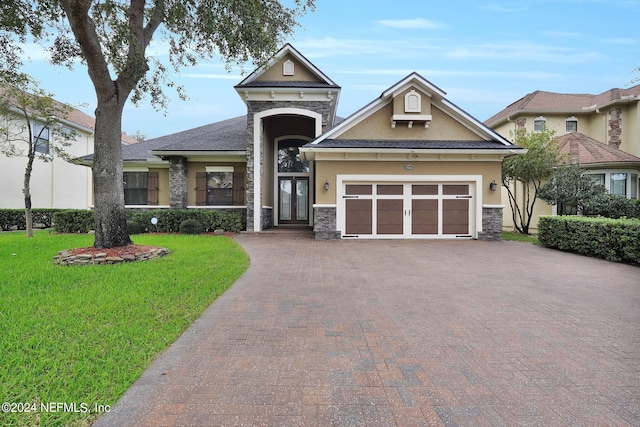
x: 282, y: 186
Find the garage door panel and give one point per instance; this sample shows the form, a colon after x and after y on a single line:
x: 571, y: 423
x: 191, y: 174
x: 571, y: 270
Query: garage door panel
x: 455, y: 216
x: 359, y: 218
x: 455, y: 189
x: 390, y: 216
x: 424, y: 217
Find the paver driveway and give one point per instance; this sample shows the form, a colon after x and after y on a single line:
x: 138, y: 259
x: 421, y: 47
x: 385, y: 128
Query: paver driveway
x: 407, y: 333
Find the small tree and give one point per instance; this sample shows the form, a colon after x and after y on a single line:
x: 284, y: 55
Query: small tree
x: 530, y: 170
x: 30, y: 126
x: 569, y: 188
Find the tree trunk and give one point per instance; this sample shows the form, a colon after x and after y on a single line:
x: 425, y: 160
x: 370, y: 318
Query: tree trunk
x: 109, y: 214
x: 26, y: 190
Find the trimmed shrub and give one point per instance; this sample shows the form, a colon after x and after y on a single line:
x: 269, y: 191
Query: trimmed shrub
x: 169, y: 220
x: 191, y: 226
x: 133, y: 227
x: 611, y: 239
x: 12, y: 218
x: 612, y: 206
x: 73, y: 221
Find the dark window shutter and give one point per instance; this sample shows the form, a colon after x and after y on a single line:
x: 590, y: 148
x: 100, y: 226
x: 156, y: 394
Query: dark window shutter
x: 152, y: 188
x: 201, y: 188
x: 238, y: 188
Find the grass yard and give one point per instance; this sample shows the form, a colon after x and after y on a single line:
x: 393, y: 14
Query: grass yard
x: 515, y: 236
x: 81, y: 335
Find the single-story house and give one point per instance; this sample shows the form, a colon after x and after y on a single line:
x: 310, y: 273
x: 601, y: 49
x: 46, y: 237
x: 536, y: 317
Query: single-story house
x: 410, y: 164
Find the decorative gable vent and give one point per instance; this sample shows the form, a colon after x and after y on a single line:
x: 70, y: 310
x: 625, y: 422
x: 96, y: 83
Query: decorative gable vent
x: 288, y: 68
x: 409, y: 109
x: 412, y: 102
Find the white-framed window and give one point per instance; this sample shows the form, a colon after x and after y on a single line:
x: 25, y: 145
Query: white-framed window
x: 41, y: 138
x: 620, y: 182
x: 539, y: 124
x: 219, y: 185
x: 572, y: 124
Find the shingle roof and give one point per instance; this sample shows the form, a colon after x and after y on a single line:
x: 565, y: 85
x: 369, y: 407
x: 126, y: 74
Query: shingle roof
x: 549, y: 102
x: 588, y: 151
x: 408, y: 144
x: 227, y: 135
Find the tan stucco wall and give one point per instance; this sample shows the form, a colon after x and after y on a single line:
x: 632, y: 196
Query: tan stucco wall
x: 194, y: 167
x: 301, y: 73
x: 378, y: 126
x: 327, y: 171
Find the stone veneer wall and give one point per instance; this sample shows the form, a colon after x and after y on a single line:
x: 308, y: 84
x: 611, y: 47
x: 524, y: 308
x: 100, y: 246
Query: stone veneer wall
x: 324, y: 223
x: 491, y: 224
x: 253, y: 107
x: 615, y: 127
x: 178, y: 188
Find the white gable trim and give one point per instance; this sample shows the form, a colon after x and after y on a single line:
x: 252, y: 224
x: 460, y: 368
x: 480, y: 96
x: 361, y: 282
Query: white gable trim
x: 287, y: 48
x: 414, y: 79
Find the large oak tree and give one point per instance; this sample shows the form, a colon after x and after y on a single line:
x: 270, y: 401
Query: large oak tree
x: 111, y: 38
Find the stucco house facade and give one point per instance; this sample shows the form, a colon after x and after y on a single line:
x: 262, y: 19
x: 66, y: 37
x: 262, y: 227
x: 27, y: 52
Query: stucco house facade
x: 55, y: 183
x: 600, y: 132
x: 410, y: 164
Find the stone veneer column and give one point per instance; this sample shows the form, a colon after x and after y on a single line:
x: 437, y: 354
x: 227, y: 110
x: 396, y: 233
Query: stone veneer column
x: 491, y: 223
x: 615, y: 127
x: 178, y: 188
x: 324, y: 223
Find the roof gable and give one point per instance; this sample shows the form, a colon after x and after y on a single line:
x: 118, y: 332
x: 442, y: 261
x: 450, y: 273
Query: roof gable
x: 287, y: 66
x: 402, y: 114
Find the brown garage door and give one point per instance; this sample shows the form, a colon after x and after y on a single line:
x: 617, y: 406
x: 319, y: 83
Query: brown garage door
x: 407, y: 210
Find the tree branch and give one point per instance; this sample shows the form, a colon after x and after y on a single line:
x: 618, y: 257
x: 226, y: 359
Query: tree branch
x: 84, y: 30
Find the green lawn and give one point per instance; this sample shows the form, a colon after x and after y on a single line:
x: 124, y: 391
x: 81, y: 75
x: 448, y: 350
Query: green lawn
x: 81, y: 335
x: 511, y: 235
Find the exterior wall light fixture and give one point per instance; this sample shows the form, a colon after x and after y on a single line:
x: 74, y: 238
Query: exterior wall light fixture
x: 493, y: 186
x: 326, y: 186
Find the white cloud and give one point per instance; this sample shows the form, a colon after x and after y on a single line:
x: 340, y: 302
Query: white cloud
x: 524, y: 51
x: 495, y: 7
x: 411, y: 24
x: 622, y: 41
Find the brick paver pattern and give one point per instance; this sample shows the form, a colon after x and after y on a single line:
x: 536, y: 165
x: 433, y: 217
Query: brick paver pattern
x: 403, y: 333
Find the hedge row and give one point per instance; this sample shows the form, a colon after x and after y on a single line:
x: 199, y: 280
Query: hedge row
x: 14, y: 218
x: 611, y: 239
x: 169, y: 220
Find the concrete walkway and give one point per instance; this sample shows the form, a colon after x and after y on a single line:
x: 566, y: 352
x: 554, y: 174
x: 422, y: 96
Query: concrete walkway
x: 403, y: 333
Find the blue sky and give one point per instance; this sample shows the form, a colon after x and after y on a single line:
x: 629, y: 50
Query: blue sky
x: 484, y: 54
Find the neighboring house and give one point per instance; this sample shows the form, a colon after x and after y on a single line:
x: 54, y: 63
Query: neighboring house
x: 55, y: 183
x: 600, y: 132
x: 410, y: 164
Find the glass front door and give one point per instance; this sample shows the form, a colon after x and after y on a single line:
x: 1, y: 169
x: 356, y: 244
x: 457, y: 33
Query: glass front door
x: 293, y: 200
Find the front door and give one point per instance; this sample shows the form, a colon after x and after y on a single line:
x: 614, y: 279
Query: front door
x: 293, y: 200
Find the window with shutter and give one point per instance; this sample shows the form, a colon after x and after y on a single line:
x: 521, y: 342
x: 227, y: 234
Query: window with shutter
x: 201, y: 188
x: 152, y: 188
